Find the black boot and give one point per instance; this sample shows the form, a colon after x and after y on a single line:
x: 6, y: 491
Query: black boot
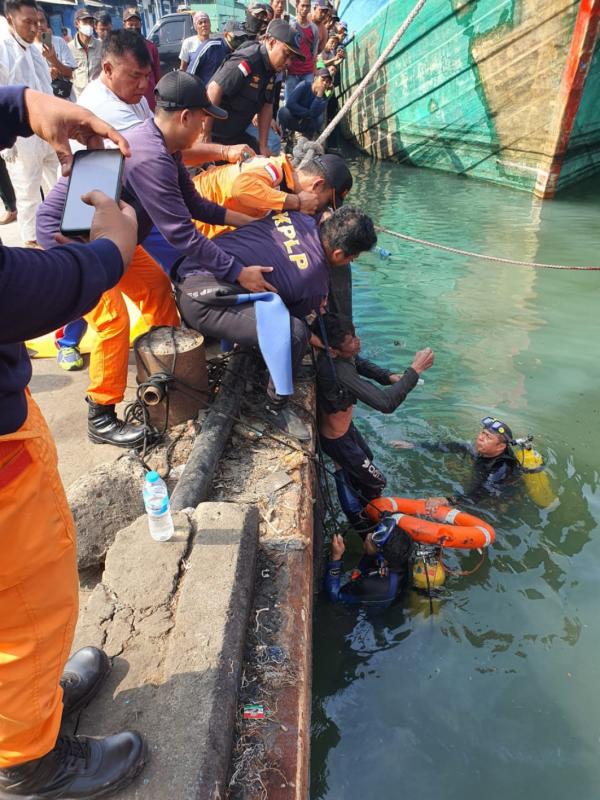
x: 280, y: 414
x: 82, y: 677
x: 79, y: 766
x: 104, y: 427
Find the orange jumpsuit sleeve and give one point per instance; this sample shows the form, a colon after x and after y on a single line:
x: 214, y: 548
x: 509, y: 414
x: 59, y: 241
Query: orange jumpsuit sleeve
x: 253, y: 193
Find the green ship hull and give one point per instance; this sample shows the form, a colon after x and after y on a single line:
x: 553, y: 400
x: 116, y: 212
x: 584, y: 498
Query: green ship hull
x: 502, y: 90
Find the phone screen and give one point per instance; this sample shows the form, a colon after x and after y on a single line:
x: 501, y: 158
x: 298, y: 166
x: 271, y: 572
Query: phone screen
x: 46, y: 38
x: 92, y: 169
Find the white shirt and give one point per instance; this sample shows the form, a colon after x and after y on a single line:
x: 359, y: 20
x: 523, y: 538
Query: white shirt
x: 23, y: 65
x: 61, y: 48
x: 189, y: 47
x: 97, y: 97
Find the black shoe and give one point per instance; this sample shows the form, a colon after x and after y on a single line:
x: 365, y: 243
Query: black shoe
x: 281, y: 415
x: 82, y: 677
x: 104, y: 427
x: 79, y: 766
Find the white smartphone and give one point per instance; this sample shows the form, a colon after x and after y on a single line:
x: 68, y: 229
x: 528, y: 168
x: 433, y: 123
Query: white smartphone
x: 92, y: 169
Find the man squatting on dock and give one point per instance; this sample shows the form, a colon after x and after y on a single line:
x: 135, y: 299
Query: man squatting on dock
x: 288, y: 253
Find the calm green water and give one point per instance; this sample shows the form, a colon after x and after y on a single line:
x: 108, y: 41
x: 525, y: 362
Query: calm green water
x: 495, y: 694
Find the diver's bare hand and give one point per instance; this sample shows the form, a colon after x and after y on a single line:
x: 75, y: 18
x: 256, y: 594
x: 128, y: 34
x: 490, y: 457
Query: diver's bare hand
x: 251, y: 278
x: 433, y: 503
x: 338, y: 547
x: 423, y: 360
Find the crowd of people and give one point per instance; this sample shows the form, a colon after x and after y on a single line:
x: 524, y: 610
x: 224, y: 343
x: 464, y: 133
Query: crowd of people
x: 203, y: 246
x: 215, y: 229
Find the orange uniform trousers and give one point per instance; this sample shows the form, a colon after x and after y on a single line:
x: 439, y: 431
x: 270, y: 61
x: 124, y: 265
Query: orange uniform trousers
x: 148, y: 287
x: 39, y: 591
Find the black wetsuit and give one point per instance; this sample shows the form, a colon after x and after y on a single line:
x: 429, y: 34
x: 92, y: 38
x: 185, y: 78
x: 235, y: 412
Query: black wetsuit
x: 367, y: 584
x: 490, y: 475
x: 340, y: 384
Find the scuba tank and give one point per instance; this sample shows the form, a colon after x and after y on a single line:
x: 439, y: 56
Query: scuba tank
x: 537, y: 482
x: 428, y: 571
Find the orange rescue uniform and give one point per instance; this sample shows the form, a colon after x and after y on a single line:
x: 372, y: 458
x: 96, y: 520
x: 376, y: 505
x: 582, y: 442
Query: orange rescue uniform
x: 38, y: 586
x: 250, y: 187
x: 146, y: 285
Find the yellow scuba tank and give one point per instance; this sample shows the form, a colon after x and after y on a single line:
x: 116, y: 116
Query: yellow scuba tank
x: 537, y: 482
x: 428, y: 571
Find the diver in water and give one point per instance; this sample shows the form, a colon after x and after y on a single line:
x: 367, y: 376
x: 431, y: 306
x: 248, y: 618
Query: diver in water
x: 382, y: 573
x: 343, y: 378
x: 495, y: 465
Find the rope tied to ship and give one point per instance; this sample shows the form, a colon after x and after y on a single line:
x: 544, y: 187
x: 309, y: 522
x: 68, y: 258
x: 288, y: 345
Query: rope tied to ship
x: 374, y: 69
x: 483, y: 256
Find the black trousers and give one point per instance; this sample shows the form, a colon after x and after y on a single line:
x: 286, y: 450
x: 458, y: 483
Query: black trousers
x: 354, y: 455
x: 307, y: 127
x: 231, y: 322
x: 7, y: 193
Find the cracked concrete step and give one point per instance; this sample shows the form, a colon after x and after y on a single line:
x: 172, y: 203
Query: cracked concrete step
x: 174, y: 622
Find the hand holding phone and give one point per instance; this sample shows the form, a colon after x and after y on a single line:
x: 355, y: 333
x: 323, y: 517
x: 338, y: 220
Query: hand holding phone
x: 111, y: 220
x: 92, y: 169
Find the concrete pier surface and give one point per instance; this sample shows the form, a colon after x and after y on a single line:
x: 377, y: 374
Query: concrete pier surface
x: 202, y: 625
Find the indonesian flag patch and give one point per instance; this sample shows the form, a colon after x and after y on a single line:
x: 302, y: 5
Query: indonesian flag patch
x: 273, y: 174
x: 244, y: 68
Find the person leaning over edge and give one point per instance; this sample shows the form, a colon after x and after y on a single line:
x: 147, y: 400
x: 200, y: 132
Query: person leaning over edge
x: 243, y: 85
x: 38, y: 570
x: 159, y: 187
x: 260, y: 185
x: 341, y: 375
x: 301, y: 253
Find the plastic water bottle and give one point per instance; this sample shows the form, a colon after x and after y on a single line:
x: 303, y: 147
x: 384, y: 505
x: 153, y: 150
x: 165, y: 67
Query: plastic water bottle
x: 382, y: 252
x: 156, y: 501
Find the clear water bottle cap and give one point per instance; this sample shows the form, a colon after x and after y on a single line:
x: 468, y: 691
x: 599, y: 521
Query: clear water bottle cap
x: 152, y: 476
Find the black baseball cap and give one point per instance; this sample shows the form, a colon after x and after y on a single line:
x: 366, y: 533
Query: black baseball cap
x: 280, y: 29
x: 337, y: 175
x: 323, y: 72
x: 84, y: 13
x: 179, y: 89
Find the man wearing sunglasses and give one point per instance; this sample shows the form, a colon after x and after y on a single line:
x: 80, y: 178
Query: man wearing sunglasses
x: 382, y: 573
x: 494, y: 463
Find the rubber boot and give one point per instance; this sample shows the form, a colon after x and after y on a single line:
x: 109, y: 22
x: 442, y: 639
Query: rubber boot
x: 104, y: 427
x: 82, y: 677
x: 78, y: 767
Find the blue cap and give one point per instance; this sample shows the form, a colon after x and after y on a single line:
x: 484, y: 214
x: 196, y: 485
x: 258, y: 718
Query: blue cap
x: 152, y: 476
